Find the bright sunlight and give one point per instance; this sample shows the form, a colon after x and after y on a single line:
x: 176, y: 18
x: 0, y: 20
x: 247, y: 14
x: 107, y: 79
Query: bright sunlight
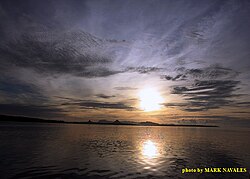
x: 150, y: 99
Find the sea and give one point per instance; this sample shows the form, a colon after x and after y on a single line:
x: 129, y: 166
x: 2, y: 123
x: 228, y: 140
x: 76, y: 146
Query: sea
x: 40, y: 150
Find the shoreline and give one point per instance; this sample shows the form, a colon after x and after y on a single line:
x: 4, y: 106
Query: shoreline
x: 22, y: 119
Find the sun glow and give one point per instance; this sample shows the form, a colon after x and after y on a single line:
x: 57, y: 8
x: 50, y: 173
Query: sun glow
x: 150, y: 99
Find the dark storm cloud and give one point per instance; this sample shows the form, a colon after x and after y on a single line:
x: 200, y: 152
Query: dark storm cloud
x: 205, y: 95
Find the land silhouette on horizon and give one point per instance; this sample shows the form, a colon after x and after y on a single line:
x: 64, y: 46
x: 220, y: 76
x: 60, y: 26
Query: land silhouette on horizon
x: 7, y: 118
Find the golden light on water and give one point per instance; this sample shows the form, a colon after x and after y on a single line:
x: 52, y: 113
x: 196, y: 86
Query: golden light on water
x: 149, y: 149
x: 150, y: 99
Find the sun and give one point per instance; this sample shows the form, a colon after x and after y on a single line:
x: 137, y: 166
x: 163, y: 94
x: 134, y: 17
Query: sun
x: 150, y: 99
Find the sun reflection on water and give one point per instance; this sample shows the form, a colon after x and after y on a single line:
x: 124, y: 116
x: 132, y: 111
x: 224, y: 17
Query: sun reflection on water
x: 149, y: 149
x: 150, y: 155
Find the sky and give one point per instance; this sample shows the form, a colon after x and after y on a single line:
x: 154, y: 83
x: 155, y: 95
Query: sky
x: 79, y: 60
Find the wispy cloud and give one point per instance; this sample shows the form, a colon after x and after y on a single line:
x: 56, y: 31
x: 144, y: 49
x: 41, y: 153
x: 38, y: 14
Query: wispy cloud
x: 211, y: 72
x: 94, y: 104
x: 105, y: 96
x: 91, y: 104
x: 143, y: 69
x: 204, y: 95
x: 125, y: 88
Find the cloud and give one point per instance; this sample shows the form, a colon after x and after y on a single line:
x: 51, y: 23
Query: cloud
x: 205, y: 95
x: 104, y: 96
x: 91, y: 104
x: 43, y: 111
x: 68, y: 52
x: 97, y: 72
x: 179, y: 77
x: 125, y: 88
x: 143, y: 69
x: 204, y: 88
x: 15, y: 88
x: 15, y: 91
x: 243, y: 104
x: 174, y: 104
x: 26, y: 99
x: 241, y: 112
x: 211, y: 72
x: 76, y: 52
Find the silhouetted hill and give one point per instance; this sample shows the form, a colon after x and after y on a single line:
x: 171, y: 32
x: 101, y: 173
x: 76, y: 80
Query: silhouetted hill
x: 148, y: 123
x: 90, y: 122
x: 116, y: 122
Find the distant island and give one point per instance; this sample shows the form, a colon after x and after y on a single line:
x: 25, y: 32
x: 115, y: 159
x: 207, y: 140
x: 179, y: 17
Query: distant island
x: 6, y: 118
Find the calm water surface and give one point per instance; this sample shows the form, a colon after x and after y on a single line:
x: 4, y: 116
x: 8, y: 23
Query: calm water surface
x: 97, y: 151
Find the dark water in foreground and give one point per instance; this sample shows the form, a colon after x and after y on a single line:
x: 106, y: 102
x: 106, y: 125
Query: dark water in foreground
x: 92, y: 151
